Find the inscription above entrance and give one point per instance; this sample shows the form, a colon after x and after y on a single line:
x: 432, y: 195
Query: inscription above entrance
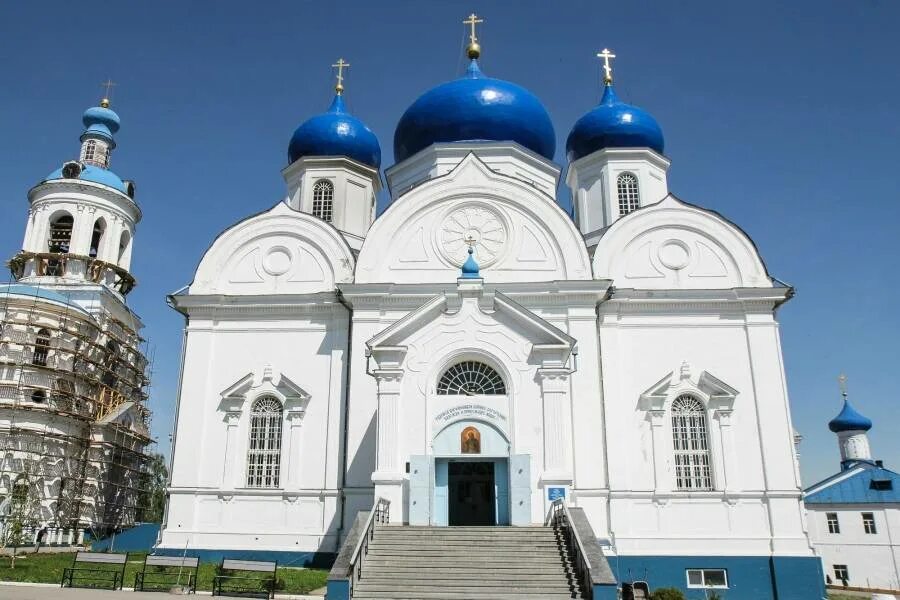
x: 469, y: 410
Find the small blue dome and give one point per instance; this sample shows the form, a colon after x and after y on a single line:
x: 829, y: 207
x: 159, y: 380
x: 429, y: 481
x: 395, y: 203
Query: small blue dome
x: 849, y: 420
x: 470, y: 267
x: 336, y: 133
x: 100, y: 121
x: 95, y: 175
x: 613, y: 124
x: 475, y: 108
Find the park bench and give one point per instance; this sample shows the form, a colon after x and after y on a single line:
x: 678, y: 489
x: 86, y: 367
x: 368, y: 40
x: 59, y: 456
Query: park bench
x: 93, y: 569
x: 161, y: 573
x: 256, y: 579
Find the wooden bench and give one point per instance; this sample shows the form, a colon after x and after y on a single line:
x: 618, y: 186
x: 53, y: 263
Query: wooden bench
x: 261, y: 584
x: 159, y: 573
x: 99, y: 568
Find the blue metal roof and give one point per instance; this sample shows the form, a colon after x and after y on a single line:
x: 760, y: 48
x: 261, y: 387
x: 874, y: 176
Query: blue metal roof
x: 857, y: 487
x: 19, y: 289
x: 475, y: 108
x: 95, y: 175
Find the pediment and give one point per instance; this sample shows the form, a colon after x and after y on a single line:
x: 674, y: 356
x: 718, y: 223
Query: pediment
x: 715, y: 393
x: 255, y: 384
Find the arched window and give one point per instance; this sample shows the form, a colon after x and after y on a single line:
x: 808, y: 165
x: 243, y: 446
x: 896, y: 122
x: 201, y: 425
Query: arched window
x: 691, y: 439
x: 97, y: 237
x: 110, y: 364
x: 471, y: 378
x: 629, y: 195
x: 264, y: 455
x: 123, y: 246
x: 60, y: 234
x: 323, y: 200
x: 41, y: 348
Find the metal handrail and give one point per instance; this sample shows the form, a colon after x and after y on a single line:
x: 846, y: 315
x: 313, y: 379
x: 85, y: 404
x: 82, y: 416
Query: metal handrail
x: 559, y: 517
x: 380, y: 514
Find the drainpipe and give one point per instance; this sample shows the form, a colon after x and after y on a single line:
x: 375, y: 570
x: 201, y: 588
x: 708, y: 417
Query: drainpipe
x: 347, y: 373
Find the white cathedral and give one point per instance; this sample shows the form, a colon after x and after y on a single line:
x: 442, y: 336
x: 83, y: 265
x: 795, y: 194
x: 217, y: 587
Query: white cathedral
x: 475, y: 353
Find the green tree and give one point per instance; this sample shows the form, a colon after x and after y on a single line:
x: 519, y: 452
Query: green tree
x: 667, y: 594
x: 17, y: 517
x: 152, y: 498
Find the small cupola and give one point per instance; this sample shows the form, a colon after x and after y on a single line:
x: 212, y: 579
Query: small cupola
x: 852, y: 431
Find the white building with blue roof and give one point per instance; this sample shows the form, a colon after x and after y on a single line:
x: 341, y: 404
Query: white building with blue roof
x: 854, y: 515
x: 476, y: 357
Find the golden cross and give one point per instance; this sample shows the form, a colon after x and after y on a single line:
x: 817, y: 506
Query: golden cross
x: 470, y: 240
x: 340, y: 65
x: 473, y: 20
x: 607, y: 68
x: 842, y: 381
x: 109, y: 85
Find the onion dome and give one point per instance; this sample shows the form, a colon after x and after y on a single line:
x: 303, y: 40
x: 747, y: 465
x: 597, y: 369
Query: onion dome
x: 336, y: 133
x: 470, y: 268
x: 849, y: 420
x: 100, y: 121
x: 475, y: 108
x: 613, y: 124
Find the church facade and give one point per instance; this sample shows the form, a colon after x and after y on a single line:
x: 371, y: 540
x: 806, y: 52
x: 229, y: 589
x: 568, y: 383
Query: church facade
x: 475, y: 352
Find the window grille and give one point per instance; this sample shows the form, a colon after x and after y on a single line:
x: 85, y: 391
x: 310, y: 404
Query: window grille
x: 41, y: 348
x: 471, y: 378
x: 264, y: 455
x: 629, y: 196
x: 834, y: 526
x: 691, y: 440
x: 869, y: 523
x: 323, y: 200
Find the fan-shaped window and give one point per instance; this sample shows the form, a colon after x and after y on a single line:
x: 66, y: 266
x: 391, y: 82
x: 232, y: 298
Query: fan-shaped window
x: 471, y: 378
x: 629, y: 195
x: 264, y: 455
x: 97, y: 237
x: 323, y: 200
x: 691, y: 439
x: 41, y: 348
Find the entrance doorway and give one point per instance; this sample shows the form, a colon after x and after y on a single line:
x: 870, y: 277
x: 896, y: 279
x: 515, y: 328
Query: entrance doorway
x: 472, y: 498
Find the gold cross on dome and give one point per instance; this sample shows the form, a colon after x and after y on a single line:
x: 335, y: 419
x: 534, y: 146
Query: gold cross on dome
x: 842, y: 381
x: 340, y: 65
x: 109, y: 85
x: 470, y: 240
x: 607, y: 68
x: 472, y: 21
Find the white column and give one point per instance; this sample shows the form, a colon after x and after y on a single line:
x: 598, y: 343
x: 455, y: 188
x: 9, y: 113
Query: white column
x: 232, y: 418
x: 557, y: 428
x: 388, y: 478
x: 294, y: 460
x: 661, y: 446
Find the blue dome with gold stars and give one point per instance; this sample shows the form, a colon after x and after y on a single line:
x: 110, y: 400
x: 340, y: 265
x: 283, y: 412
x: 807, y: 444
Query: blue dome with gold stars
x: 613, y: 124
x: 336, y: 133
x: 475, y: 108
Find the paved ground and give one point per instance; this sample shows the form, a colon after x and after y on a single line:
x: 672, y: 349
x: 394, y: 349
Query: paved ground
x: 35, y: 592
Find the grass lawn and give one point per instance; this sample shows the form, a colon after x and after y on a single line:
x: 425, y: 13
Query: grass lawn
x: 48, y: 568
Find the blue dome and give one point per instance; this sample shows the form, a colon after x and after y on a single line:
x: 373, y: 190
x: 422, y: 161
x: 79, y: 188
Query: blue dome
x: 336, y: 133
x: 849, y: 420
x: 95, y: 175
x: 100, y: 121
x: 613, y: 124
x: 475, y: 108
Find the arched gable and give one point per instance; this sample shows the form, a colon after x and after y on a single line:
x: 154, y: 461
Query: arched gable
x: 280, y: 251
x: 673, y: 245
x: 523, y: 235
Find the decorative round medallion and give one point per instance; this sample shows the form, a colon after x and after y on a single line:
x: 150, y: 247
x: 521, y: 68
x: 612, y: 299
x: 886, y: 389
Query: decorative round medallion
x: 481, y: 224
x: 674, y: 254
x: 277, y: 261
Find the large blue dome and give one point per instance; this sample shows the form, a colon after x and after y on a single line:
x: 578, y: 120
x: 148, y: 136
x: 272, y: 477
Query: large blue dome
x: 336, y: 133
x: 849, y: 420
x: 475, y: 108
x: 613, y: 124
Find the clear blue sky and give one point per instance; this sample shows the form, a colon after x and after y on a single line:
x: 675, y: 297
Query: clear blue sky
x: 783, y: 116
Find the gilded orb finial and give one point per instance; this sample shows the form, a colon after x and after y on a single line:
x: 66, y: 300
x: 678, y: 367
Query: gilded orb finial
x: 109, y: 84
x: 473, y: 50
x: 607, y: 68
x: 340, y: 65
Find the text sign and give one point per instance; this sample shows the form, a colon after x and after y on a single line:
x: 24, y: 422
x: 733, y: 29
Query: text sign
x: 556, y: 493
x: 469, y: 410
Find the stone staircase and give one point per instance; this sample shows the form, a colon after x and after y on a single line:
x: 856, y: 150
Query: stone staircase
x: 455, y: 563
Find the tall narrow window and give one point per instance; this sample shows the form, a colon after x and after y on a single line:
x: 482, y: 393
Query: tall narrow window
x: 41, y: 348
x: 689, y: 434
x: 841, y: 573
x: 869, y: 523
x: 97, y: 237
x: 834, y: 526
x: 110, y: 364
x: 264, y: 455
x: 90, y: 151
x: 629, y: 196
x: 323, y: 200
x: 60, y: 234
x: 123, y: 246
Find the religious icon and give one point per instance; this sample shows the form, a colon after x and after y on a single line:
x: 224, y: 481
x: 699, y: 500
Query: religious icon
x: 470, y: 441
